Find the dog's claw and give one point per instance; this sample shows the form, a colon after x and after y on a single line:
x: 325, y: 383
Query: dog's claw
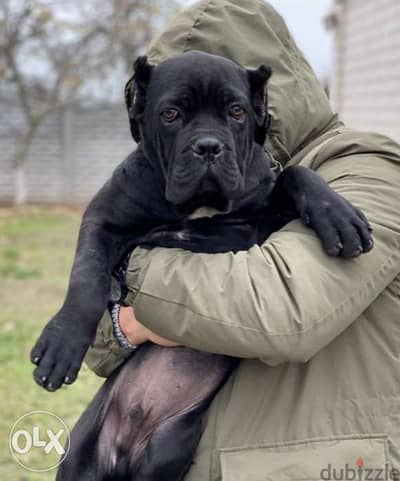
x: 335, y: 251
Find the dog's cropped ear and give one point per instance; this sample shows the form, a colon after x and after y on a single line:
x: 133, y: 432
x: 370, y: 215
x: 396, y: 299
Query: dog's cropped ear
x: 135, y: 93
x: 142, y: 72
x: 258, y: 80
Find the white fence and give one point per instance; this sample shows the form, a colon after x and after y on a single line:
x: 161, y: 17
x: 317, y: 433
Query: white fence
x: 72, y: 155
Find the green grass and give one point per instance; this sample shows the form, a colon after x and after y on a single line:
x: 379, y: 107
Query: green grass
x: 36, y: 250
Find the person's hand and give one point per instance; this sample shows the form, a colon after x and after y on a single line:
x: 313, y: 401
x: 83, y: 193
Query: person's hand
x: 136, y: 333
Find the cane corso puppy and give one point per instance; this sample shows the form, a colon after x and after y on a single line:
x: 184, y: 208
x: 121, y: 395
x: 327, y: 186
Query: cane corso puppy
x: 202, y: 124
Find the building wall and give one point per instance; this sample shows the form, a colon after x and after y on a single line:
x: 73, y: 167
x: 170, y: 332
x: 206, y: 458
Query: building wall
x: 366, y: 87
x: 72, y: 155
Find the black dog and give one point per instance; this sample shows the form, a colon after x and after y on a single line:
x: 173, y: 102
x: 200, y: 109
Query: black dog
x: 202, y: 124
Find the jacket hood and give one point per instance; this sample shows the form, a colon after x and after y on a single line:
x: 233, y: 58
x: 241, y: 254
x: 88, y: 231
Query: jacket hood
x: 251, y: 33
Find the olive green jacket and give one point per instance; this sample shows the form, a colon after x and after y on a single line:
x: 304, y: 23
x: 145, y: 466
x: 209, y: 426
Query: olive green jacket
x: 319, y: 337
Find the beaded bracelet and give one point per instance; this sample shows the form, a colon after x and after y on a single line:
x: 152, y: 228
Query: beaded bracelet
x: 119, y: 335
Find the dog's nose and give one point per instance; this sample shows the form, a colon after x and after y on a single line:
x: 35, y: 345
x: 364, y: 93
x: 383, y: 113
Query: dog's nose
x: 208, y: 147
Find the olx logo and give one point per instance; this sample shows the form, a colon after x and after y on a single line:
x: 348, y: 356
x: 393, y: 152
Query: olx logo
x: 39, y: 441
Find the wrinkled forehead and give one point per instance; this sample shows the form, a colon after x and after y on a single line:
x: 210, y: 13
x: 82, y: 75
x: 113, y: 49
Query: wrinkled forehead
x: 200, y: 77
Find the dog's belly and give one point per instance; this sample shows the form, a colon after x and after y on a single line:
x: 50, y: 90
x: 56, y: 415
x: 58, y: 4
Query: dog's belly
x: 157, y: 398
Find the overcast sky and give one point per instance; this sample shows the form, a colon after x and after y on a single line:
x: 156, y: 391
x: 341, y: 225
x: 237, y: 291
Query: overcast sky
x: 304, y: 18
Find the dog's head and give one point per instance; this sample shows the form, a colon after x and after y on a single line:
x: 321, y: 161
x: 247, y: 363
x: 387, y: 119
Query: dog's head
x: 204, y: 119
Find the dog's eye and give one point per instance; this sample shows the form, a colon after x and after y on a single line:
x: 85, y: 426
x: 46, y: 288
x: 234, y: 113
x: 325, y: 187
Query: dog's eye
x: 169, y: 115
x: 237, y: 112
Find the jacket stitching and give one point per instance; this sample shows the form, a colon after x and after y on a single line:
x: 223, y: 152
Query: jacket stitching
x: 214, y: 450
x: 346, y: 437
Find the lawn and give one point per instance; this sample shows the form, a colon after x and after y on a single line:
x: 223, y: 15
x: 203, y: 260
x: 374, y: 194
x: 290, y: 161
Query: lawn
x: 36, y: 250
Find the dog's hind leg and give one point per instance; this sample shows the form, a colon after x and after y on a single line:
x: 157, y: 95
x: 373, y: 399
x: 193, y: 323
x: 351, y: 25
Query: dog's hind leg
x: 171, y: 449
x: 81, y: 461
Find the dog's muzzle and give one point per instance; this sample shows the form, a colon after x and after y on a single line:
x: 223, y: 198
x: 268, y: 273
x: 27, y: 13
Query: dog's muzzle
x: 205, y: 175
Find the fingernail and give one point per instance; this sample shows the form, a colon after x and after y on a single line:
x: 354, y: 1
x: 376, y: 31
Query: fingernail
x: 66, y: 380
x: 36, y: 360
x: 43, y: 379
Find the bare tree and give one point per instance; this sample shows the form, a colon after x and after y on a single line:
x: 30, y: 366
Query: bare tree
x: 55, y: 53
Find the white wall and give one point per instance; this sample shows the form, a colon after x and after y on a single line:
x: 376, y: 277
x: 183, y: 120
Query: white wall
x: 366, y: 90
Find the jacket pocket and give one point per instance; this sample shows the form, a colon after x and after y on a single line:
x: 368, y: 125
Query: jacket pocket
x: 349, y: 458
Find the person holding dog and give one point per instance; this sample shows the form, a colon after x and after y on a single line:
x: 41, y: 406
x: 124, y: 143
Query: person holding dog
x: 317, y: 386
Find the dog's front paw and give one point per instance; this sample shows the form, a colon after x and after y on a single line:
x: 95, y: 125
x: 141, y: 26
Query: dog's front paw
x: 58, y: 355
x: 342, y: 228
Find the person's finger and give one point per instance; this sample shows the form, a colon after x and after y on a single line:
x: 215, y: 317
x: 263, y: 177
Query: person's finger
x: 161, y: 341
